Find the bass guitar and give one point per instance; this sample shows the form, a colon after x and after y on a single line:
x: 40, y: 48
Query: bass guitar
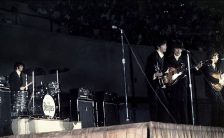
x: 218, y: 86
x: 160, y: 77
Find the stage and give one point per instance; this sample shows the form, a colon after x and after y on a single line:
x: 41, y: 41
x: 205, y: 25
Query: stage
x: 134, y: 130
x: 91, y: 66
x: 30, y: 126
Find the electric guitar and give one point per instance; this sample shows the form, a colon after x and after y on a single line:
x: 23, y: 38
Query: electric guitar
x: 218, y: 86
x: 161, y: 78
x: 174, y: 75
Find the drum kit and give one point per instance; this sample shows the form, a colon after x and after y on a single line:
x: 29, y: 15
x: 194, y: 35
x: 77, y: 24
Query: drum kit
x: 44, y: 101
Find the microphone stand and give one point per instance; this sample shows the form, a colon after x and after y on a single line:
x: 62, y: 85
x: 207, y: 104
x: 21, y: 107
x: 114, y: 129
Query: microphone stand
x: 33, y: 92
x: 58, y: 87
x: 124, y: 74
x: 190, y: 87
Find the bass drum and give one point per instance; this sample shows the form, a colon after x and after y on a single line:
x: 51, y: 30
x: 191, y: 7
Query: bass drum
x: 48, y: 106
x: 43, y: 108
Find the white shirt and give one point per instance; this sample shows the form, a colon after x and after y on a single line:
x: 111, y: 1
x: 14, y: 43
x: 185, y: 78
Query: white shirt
x: 160, y: 54
x: 177, y: 57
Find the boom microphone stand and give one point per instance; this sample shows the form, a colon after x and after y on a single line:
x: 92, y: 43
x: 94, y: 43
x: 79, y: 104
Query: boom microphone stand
x: 124, y: 71
x: 190, y: 86
x: 33, y: 92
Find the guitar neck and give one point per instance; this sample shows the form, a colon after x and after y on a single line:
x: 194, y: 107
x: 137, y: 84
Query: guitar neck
x: 29, y: 84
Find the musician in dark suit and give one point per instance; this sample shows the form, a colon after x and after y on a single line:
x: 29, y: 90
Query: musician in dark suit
x: 15, y: 78
x: 16, y: 83
x: 217, y: 102
x: 177, y: 93
x: 154, y: 71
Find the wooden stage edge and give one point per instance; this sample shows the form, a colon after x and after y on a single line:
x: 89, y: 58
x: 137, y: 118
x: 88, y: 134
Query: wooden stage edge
x: 134, y: 130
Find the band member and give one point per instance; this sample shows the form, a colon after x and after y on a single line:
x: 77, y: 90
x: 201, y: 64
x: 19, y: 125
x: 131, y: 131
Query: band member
x: 15, y: 78
x: 210, y: 70
x: 16, y: 85
x: 177, y: 93
x: 154, y: 71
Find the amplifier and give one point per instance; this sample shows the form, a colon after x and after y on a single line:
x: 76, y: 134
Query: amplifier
x: 83, y: 110
x: 84, y: 93
x: 5, y: 115
x: 3, y: 81
x: 86, y: 113
x: 108, y: 113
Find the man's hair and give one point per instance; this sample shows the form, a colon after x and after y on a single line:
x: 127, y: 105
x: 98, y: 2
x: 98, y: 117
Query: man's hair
x: 177, y: 44
x: 17, y: 64
x: 160, y: 40
x: 211, y: 53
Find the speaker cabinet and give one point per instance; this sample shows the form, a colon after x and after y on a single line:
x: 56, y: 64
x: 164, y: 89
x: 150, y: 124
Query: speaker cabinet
x: 86, y: 113
x: 111, y: 114
x: 5, y: 115
x: 107, y: 113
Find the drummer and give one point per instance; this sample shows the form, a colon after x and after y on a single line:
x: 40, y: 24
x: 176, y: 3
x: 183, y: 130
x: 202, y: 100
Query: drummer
x: 16, y: 83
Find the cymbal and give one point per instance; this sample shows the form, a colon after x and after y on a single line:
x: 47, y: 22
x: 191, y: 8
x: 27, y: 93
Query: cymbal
x: 37, y: 71
x: 60, y: 70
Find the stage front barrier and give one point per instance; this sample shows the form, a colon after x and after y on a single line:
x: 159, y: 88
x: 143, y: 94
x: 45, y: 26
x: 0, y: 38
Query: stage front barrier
x: 137, y: 130
x: 163, y: 130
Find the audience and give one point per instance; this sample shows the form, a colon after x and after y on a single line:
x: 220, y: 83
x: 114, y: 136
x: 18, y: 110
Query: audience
x: 141, y: 20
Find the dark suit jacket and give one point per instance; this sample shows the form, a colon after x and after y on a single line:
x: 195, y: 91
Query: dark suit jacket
x: 15, y: 81
x: 153, y: 60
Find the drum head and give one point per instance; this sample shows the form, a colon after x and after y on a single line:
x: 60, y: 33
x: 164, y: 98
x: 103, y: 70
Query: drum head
x: 48, y: 106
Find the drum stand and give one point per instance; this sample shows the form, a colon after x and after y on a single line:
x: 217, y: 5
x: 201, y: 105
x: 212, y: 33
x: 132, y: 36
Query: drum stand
x: 26, y: 82
x: 33, y: 91
x: 59, y: 103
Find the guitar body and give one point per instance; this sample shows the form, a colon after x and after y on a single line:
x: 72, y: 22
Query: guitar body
x: 173, y: 76
x: 217, y: 87
x: 160, y: 79
x: 171, y: 72
x: 161, y: 82
x: 176, y: 74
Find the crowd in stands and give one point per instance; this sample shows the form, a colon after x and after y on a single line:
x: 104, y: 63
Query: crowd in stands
x: 141, y: 20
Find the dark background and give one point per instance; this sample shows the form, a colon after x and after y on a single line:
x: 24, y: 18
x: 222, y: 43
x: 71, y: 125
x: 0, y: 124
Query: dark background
x: 29, y: 35
x: 93, y: 64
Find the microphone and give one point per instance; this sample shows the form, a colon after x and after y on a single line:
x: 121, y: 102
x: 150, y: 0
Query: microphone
x: 222, y: 59
x: 115, y: 27
x: 186, y: 50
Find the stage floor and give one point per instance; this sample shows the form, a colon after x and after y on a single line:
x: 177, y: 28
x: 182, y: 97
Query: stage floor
x: 61, y: 129
x: 30, y: 126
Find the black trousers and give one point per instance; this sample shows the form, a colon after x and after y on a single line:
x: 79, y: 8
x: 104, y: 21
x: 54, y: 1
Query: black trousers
x: 178, y: 99
x: 217, y: 108
x: 157, y: 110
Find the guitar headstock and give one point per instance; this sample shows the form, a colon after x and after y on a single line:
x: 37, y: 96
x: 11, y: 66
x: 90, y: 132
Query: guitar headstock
x: 157, y: 69
x: 200, y: 64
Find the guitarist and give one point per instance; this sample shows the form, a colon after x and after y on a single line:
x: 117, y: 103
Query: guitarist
x: 215, y: 97
x: 154, y: 71
x: 177, y: 93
